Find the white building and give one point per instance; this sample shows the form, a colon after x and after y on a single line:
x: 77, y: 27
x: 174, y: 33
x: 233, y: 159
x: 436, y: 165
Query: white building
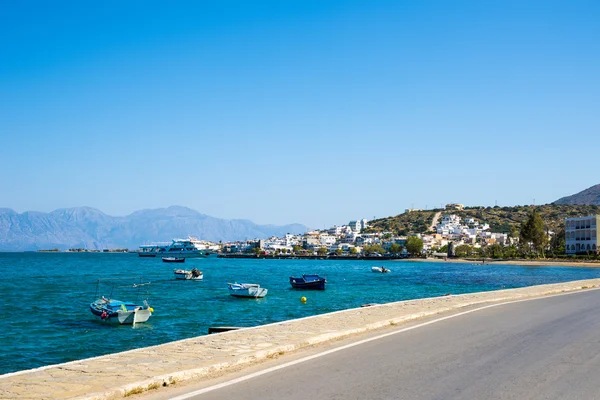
x: 335, y: 230
x: 354, y: 225
x: 581, y: 234
x: 327, y: 240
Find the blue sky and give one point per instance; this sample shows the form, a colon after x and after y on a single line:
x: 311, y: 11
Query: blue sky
x: 315, y: 112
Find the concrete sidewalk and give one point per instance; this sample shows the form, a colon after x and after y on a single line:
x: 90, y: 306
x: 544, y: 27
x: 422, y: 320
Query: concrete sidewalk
x: 121, y: 374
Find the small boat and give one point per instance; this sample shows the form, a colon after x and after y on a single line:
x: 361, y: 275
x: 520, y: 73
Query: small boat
x: 174, y: 259
x: 121, y: 312
x: 246, y: 290
x: 193, y: 275
x: 381, y: 270
x: 309, y: 282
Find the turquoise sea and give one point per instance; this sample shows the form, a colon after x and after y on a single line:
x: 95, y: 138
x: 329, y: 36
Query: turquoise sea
x: 45, y: 297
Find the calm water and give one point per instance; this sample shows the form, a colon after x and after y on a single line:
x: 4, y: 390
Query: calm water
x: 45, y: 297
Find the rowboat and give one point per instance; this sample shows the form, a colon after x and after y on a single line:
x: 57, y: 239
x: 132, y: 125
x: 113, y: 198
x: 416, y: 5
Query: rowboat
x: 121, y: 312
x: 308, y: 282
x: 246, y: 290
x: 174, y: 259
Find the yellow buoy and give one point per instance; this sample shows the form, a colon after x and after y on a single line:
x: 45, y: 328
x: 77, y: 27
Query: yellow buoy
x: 151, y: 309
x: 303, y: 299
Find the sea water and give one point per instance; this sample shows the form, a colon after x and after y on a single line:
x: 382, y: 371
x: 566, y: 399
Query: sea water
x: 45, y: 297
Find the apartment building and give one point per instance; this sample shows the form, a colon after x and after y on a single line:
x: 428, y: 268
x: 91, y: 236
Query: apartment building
x: 581, y: 234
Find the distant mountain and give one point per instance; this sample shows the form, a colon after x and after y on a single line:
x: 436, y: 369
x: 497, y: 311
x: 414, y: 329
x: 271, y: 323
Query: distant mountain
x: 590, y: 196
x: 85, y: 227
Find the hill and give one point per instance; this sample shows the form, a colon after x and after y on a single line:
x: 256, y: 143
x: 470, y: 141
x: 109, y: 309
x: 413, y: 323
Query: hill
x: 590, y: 195
x: 85, y: 227
x: 500, y: 219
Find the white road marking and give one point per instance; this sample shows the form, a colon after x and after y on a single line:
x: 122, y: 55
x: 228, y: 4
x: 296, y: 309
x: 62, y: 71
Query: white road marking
x: 347, y: 346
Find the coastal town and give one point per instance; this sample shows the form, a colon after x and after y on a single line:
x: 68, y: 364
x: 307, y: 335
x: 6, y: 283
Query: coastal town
x: 447, y: 236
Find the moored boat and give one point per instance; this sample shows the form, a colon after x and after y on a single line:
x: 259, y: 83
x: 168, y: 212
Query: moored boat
x: 192, y: 275
x: 246, y: 290
x: 181, y: 248
x: 381, y: 270
x: 309, y: 282
x: 121, y: 312
x: 174, y: 259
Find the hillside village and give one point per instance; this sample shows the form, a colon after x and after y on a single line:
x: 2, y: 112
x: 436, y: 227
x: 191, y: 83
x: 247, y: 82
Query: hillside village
x: 447, y: 229
x: 456, y: 230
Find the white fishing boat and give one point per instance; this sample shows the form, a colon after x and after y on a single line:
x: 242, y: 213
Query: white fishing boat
x: 192, y: 275
x: 246, y: 290
x: 121, y: 312
x: 179, y: 248
x: 381, y: 270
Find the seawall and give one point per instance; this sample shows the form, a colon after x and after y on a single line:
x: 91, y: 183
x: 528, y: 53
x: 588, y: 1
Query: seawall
x: 115, y: 375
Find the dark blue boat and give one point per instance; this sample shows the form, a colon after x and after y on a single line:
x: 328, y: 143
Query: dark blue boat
x: 311, y: 282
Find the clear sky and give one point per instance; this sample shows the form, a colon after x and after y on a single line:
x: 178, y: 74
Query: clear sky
x: 315, y: 112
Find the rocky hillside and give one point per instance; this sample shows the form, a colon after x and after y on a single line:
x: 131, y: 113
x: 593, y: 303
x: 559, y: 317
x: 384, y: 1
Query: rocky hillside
x: 85, y: 227
x: 588, y: 196
x: 501, y: 219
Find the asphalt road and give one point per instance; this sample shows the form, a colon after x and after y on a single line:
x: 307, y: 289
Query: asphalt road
x: 547, y: 348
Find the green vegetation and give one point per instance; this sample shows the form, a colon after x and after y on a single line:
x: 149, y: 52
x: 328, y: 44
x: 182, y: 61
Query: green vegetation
x: 374, y: 248
x: 464, y: 250
x: 396, y: 248
x: 414, y: 245
x: 403, y: 224
x: 533, y: 234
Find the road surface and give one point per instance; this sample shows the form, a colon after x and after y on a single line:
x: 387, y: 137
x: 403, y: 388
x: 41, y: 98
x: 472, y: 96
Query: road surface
x: 435, y: 220
x: 546, y: 348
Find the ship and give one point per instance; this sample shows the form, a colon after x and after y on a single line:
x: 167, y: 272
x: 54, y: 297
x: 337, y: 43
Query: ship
x: 181, y: 248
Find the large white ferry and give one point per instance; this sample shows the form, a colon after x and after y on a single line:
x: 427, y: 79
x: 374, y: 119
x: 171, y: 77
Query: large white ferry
x: 187, y: 248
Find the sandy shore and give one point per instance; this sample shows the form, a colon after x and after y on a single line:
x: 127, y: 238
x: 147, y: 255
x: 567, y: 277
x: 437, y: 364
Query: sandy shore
x: 546, y: 263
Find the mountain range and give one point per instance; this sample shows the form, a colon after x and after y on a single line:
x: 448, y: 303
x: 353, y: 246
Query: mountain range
x: 89, y: 228
x: 589, y: 196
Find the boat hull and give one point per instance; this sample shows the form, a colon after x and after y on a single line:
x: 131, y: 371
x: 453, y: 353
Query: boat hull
x: 174, y: 259
x: 176, y: 254
x: 186, y: 275
x: 108, y: 312
x: 308, y: 282
x: 248, y: 290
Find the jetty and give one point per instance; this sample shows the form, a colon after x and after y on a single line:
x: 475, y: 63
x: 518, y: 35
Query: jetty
x: 152, y: 368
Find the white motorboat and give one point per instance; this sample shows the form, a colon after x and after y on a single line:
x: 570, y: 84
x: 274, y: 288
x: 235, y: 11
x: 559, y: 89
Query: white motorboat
x: 192, y: 275
x: 381, y: 270
x: 246, y: 290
